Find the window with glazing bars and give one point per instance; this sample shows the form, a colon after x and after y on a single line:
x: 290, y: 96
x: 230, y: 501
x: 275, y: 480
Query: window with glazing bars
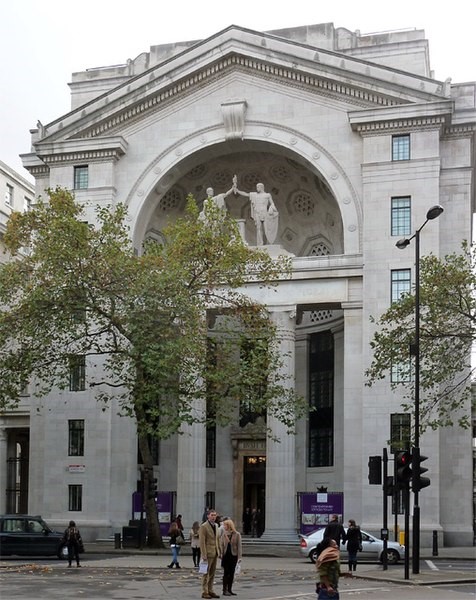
x: 401, y: 147
x: 401, y: 216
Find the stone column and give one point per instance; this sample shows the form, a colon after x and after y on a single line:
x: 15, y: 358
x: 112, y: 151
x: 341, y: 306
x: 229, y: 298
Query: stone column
x: 3, y: 469
x: 191, y: 468
x: 280, y: 523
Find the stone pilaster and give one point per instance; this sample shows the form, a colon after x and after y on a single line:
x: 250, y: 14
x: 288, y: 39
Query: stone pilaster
x: 191, y: 469
x: 280, y: 452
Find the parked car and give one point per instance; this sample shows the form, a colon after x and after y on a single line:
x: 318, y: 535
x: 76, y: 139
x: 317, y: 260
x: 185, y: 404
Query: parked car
x: 27, y: 535
x: 372, y: 548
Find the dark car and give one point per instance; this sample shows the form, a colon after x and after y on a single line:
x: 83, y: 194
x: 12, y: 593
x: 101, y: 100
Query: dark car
x: 26, y: 535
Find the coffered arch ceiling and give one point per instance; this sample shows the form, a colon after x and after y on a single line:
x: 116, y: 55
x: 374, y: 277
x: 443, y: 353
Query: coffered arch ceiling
x: 310, y: 221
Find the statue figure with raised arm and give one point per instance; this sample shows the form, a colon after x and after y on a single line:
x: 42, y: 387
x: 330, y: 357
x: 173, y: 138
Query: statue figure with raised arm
x: 218, y: 200
x: 263, y: 212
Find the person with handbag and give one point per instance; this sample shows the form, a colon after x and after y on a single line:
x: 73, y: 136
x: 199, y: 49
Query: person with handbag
x: 195, y: 543
x: 72, y: 539
x: 354, y: 544
x: 231, y: 552
x: 328, y: 568
x: 176, y: 541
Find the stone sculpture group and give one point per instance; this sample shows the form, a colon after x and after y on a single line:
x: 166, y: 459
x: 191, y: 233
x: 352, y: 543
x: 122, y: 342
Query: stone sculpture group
x: 263, y: 210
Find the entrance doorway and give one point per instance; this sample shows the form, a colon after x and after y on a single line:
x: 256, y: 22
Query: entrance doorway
x: 254, y: 491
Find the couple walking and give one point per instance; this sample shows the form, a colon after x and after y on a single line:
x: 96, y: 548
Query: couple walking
x: 219, y: 543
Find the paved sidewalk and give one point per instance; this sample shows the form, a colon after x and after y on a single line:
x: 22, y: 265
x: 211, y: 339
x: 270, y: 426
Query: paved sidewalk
x: 267, y: 558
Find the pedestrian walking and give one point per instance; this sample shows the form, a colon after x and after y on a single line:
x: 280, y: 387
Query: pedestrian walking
x: 73, y: 541
x: 335, y: 530
x: 328, y: 569
x: 354, y: 544
x: 231, y: 552
x: 195, y: 543
x: 175, y: 534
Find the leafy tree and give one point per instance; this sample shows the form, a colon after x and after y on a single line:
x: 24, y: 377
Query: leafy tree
x: 143, y: 322
x: 447, y: 334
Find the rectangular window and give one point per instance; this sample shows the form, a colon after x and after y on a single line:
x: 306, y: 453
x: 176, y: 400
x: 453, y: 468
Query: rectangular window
x: 401, y: 372
x: 401, y: 283
x: 76, y: 437
x: 26, y: 204
x: 401, y: 216
x: 321, y: 399
x: 77, y: 373
x: 210, y: 499
x: 9, y: 195
x: 401, y: 147
x: 211, y: 447
x: 399, y: 431
x: 81, y: 177
x: 75, y: 498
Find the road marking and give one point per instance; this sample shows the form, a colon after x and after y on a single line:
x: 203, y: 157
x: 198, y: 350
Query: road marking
x: 432, y: 565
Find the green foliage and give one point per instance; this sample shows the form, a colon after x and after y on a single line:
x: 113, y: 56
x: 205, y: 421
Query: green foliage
x: 447, y: 334
x: 143, y: 321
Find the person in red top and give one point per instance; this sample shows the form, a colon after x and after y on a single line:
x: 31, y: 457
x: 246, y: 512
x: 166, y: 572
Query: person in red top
x: 178, y: 520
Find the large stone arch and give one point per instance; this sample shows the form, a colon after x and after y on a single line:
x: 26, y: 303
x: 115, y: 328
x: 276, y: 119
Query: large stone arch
x: 172, y: 164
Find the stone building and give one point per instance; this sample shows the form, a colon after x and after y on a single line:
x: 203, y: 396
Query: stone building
x: 16, y: 193
x: 355, y: 140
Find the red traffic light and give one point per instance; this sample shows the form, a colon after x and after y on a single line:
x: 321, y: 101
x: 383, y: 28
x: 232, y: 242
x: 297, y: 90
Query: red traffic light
x: 403, y: 468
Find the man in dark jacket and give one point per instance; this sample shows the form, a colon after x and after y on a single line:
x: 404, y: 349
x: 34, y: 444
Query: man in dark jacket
x: 335, y: 530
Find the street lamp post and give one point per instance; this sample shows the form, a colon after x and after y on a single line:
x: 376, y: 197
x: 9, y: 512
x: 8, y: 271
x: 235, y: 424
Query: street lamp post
x: 433, y: 213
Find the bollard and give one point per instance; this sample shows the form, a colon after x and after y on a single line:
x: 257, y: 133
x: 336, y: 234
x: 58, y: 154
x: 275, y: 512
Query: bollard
x: 435, y: 543
x: 117, y: 541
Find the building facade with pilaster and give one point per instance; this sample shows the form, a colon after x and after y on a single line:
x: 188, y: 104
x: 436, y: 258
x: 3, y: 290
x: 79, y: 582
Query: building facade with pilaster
x: 355, y: 140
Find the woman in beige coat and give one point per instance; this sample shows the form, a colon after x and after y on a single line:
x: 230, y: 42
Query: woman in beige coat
x: 231, y: 551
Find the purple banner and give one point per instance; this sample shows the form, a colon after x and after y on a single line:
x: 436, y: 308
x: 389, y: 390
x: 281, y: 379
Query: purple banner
x: 164, y: 502
x: 316, y: 509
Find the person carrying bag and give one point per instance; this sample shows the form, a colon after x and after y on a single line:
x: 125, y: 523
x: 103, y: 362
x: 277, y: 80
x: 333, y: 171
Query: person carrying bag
x: 328, y: 568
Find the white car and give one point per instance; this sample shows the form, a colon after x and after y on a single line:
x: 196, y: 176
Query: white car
x: 372, y: 548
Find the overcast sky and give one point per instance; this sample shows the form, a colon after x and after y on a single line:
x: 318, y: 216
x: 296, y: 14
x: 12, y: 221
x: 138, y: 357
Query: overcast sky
x: 43, y: 42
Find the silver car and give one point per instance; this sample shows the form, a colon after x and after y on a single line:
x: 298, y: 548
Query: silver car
x: 372, y: 547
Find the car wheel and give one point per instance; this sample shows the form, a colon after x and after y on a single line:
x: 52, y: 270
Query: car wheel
x: 392, y: 557
x: 313, y: 555
x: 63, y: 552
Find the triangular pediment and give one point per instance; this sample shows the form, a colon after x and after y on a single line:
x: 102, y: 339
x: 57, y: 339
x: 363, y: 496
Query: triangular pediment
x: 361, y: 84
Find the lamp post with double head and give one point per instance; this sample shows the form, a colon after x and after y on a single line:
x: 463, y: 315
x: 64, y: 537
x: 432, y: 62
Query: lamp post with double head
x: 433, y: 213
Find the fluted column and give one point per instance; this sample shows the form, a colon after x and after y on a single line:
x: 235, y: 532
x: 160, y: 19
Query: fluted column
x: 191, y: 468
x: 280, y: 523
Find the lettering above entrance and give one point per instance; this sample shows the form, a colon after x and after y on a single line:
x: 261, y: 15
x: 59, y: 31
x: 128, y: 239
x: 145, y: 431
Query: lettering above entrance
x: 252, y: 445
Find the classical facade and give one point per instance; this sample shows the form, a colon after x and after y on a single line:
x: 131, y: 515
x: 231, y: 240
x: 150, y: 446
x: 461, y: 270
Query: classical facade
x: 16, y: 193
x: 353, y: 140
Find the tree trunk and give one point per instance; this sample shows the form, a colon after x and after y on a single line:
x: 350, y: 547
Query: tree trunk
x: 154, y: 537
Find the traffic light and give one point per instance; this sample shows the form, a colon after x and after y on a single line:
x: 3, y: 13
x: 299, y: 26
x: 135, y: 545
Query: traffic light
x: 152, y: 487
x: 389, y: 487
x: 375, y: 470
x: 403, y: 470
x: 419, y: 482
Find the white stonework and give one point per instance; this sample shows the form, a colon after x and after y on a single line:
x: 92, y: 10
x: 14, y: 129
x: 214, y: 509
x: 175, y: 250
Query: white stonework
x: 16, y: 193
x: 310, y: 112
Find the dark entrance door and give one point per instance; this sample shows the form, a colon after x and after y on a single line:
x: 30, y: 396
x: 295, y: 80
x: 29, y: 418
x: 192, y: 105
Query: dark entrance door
x: 254, y: 491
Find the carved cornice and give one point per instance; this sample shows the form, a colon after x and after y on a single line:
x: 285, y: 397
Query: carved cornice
x: 402, y: 125
x: 38, y: 171
x: 460, y: 131
x: 326, y: 86
x: 82, y: 156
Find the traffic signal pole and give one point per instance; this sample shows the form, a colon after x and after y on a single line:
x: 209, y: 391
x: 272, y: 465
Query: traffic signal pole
x: 385, y: 510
